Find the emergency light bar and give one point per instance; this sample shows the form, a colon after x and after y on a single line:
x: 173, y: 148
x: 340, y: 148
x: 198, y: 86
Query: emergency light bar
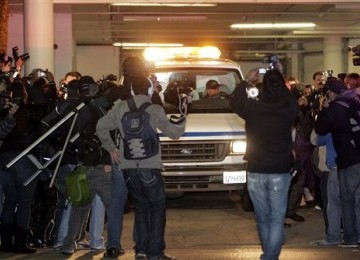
x: 157, y: 54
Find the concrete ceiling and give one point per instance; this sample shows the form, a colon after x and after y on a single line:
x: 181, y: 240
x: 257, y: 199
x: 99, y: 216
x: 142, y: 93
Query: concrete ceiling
x: 101, y: 23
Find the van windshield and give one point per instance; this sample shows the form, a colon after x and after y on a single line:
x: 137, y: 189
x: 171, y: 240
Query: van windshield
x: 193, y: 82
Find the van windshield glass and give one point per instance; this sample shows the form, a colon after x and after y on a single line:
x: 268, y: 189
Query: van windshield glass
x: 193, y: 82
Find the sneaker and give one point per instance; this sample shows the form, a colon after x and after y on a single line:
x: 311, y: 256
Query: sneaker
x: 114, y: 252
x: 296, y: 218
x: 324, y: 242
x: 67, y: 250
x: 346, y: 245
x: 57, y: 246
x: 83, y: 245
x: 167, y: 257
x: 317, y: 207
x: 287, y: 225
x: 100, y: 248
x: 140, y: 256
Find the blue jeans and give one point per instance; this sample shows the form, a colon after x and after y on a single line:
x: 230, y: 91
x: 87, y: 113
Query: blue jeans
x: 349, y: 180
x: 96, y: 223
x: 99, y: 183
x: 333, y: 210
x: 147, y: 190
x: 17, y: 203
x: 269, y: 194
x: 63, y: 207
x: 115, y: 211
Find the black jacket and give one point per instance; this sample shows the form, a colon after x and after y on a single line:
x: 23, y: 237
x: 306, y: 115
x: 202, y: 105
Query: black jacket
x: 268, y: 130
x: 335, y: 120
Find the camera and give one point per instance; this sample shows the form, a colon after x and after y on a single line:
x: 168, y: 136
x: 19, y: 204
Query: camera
x: 252, y: 92
x: 272, y: 60
x: 262, y: 70
x: 326, y: 74
x: 16, y: 56
x: 176, y: 90
x: 355, y: 54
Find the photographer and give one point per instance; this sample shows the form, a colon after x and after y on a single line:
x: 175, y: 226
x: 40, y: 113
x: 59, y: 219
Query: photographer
x: 7, y: 123
x: 269, y: 119
x: 99, y: 171
x: 335, y: 120
x: 156, y: 99
x: 8, y: 120
x: 17, y: 203
x: 7, y: 70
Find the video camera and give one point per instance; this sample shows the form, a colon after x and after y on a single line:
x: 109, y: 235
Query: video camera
x: 355, y: 54
x: 102, y: 85
x: 97, y: 89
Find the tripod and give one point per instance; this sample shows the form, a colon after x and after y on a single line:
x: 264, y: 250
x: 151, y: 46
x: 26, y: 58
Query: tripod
x: 59, y: 154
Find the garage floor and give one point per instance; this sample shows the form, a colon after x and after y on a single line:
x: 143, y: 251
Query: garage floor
x: 214, y: 226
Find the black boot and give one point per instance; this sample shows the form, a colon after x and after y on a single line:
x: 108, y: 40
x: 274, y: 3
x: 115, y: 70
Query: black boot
x: 6, y: 238
x: 21, y: 246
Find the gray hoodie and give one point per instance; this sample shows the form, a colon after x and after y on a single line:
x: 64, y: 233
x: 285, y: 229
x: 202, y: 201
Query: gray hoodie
x: 158, y: 120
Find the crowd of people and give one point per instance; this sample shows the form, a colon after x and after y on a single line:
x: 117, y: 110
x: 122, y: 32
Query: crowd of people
x: 302, y: 152
x: 36, y: 212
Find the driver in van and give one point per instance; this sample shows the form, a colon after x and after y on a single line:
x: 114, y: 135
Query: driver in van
x: 212, y: 89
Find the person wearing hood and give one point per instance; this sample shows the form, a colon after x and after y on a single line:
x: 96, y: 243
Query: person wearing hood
x: 269, y: 119
x: 335, y: 119
x: 143, y: 177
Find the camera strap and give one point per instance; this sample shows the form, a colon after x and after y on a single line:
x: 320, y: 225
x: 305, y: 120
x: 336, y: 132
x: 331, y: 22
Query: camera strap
x: 183, y: 109
x: 177, y: 119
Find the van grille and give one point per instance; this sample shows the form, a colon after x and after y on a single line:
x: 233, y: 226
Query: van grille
x: 194, y: 151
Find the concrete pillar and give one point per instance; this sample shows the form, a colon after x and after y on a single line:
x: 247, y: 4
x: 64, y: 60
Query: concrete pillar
x: 333, y: 54
x: 65, y: 46
x: 295, y: 62
x: 39, y: 34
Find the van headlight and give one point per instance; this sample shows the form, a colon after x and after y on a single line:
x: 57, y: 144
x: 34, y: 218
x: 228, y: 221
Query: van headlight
x: 237, y: 147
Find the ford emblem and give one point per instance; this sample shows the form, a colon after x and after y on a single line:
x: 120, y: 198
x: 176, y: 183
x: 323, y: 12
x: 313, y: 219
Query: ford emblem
x: 186, y: 151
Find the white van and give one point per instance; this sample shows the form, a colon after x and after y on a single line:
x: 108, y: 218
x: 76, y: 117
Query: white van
x: 209, y: 155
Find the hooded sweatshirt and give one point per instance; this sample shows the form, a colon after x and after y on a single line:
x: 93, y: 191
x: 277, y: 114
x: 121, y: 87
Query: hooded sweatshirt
x: 269, y: 120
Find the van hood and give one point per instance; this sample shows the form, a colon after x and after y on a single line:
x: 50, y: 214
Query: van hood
x: 213, y: 126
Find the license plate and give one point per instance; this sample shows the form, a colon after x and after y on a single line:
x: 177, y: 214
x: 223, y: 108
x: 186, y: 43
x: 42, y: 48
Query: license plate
x: 234, y: 177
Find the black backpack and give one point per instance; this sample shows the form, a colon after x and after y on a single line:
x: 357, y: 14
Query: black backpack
x: 141, y: 141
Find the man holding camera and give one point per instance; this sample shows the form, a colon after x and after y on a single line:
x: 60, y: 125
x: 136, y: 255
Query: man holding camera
x: 269, y: 120
x: 336, y: 120
x: 7, y: 123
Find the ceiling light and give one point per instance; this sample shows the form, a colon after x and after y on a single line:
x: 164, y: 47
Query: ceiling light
x: 145, y: 44
x: 133, y: 18
x: 347, y: 6
x: 327, y: 32
x: 271, y: 25
x: 166, y: 5
x: 206, y: 52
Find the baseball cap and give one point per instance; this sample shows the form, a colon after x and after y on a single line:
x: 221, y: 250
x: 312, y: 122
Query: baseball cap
x: 212, y: 84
